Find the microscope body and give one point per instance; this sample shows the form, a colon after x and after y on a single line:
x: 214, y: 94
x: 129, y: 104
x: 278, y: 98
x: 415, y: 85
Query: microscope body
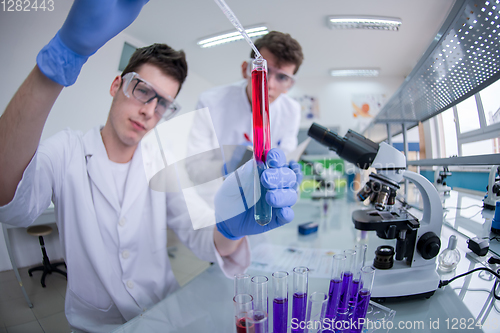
x: 493, y: 194
x: 413, y: 273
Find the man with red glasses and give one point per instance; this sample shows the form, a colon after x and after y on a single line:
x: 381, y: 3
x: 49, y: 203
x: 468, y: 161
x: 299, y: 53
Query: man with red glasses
x: 112, y: 225
x: 230, y: 113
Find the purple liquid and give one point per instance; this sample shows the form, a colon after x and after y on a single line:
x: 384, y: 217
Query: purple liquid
x: 333, y: 301
x: 353, y: 292
x: 344, y: 293
x: 241, y: 326
x: 361, y: 307
x: 299, y: 309
x: 259, y: 327
x: 280, y: 315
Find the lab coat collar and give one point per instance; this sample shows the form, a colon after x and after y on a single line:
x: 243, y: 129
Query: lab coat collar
x: 99, y: 171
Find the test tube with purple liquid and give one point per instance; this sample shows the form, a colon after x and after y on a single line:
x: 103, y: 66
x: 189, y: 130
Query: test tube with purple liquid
x: 280, y: 302
x: 299, y: 306
x: 339, y: 261
x: 356, y: 280
x: 363, y: 297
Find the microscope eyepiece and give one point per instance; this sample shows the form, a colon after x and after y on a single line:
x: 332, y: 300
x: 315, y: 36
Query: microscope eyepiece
x: 326, y: 137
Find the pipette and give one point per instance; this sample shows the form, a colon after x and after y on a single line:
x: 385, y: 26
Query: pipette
x: 234, y: 20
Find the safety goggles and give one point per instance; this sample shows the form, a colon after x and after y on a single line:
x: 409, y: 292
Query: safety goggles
x: 144, y: 92
x: 283, y: 81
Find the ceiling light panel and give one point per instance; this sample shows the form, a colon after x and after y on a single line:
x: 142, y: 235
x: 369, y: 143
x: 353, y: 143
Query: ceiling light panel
x: 232, y: 36
x: 365, y: 72
x: 364, y: 22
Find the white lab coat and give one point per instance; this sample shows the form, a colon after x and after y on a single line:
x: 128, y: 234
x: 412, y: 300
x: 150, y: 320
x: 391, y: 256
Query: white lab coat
x: 230, y: 113
x: 116, y: 256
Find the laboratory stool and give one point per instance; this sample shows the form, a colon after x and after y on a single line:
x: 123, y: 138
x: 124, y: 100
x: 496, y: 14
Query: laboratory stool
x: 47, y: 267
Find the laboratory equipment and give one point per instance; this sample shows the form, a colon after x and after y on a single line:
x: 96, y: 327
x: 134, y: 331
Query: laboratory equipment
x: 338, y: 266
x: 280, y: 302
x: 308, y: 228
x: 299, y: 305
x: 449, y: 258
x: 414, y: 271
x: 316, y: 310
x: 241, y: 284
x: 259, y: 293
x: 257, y: 321
x: 439, y: 180
x: 495, y: 224
x: 493, y: 195
x: 363, y: 297
x: 243, y: 303
x: 384, y: 257
x: 356, y: 279
x: 261, y: 137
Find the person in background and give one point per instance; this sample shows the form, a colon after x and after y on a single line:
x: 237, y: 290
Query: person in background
x: 112, y: 224
x: 230, y: 113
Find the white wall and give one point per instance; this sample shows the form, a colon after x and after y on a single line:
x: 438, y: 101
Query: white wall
x: 335, y: 96
x: 80, y: 107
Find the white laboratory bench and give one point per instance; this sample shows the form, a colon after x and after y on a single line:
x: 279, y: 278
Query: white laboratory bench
x: 205, y: 303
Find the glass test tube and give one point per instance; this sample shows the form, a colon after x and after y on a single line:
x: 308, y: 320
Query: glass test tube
x: 316, y: 311
x: 280, y: 302
x: 339, y: 261
x: 257, y: 321
x: 363, y: 299
x: 241, y: 284
x: 299, y: 305
x: 346, y: 281
x: 261, y: 137
x: 359, y: 262
x: 259, y: 293
x: 242, y: 304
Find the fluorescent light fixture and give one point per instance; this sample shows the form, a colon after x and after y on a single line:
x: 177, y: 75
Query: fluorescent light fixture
x: 364, y: 22
x: 366, y: 72
x: 232, y: 36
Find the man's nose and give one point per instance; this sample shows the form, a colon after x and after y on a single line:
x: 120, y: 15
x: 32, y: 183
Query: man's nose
x: 148, y: 109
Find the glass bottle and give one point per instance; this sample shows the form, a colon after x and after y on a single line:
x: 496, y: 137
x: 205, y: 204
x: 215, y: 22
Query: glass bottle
x: 449, y: 258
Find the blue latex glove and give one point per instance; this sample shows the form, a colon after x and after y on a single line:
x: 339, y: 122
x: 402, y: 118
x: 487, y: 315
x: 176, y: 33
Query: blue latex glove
x: 89, y: 25
x: 279, y: 179
x: 297, y: 168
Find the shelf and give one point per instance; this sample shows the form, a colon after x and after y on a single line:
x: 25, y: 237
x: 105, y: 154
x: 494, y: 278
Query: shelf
x: 491, y: 159
x: 462, y: 59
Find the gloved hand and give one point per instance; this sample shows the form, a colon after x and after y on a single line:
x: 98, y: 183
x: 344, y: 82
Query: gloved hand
x: 297, y: 168
x: 279, y: 179
x: 89, y: 25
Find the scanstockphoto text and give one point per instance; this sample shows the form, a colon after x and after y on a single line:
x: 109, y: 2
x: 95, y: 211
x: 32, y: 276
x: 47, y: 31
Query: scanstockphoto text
x: 459, y: 324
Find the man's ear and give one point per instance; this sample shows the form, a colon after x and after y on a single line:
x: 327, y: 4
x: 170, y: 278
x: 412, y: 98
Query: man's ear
x: 115, y: 86
x: 244, y: 72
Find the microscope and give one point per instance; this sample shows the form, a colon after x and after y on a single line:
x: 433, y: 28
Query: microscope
x: 493, y: 188
x: 412, y: 271
x: 440, y: 182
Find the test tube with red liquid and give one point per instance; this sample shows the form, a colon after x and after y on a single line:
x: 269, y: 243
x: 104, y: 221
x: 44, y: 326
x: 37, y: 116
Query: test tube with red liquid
x: 261, y: 137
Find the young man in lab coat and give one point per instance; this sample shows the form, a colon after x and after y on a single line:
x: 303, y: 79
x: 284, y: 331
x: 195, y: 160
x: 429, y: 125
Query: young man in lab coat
x: 228, y: 121
x: 112, y: 225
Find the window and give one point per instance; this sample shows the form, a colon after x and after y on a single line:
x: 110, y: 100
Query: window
x: 490, y: 99
x: 482, y: 147
x: 468, y: 118
x: 449, y: 133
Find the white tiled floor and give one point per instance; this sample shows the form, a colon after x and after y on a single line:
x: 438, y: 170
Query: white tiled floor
x: 47, y: 314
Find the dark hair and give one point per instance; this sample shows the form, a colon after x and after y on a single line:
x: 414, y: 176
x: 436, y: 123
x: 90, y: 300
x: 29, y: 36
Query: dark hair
x: 169, y: 61
x: 282, y: 46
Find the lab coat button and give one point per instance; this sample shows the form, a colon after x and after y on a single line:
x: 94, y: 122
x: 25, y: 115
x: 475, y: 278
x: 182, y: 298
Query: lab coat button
x: 130, y: 284
x: 125, y: 254
x: 121, y: 222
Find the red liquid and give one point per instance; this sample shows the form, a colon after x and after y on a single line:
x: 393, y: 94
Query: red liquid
x: 260, y: 112
x: 241, y: 326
